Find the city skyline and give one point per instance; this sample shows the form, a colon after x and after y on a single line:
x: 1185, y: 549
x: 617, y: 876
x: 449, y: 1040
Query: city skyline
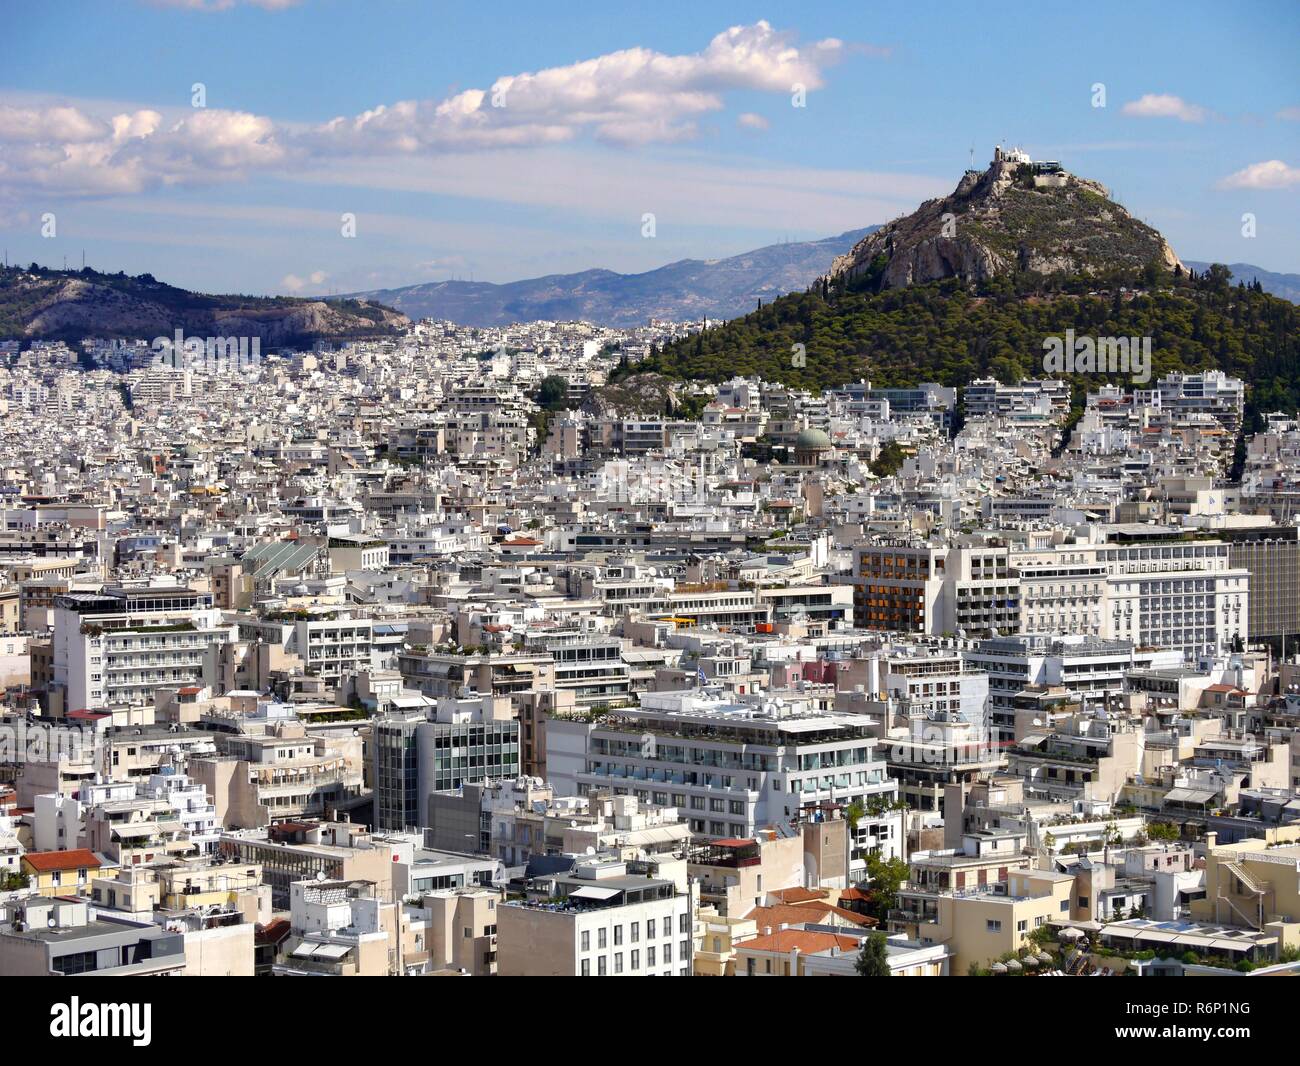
x: 687, y: 118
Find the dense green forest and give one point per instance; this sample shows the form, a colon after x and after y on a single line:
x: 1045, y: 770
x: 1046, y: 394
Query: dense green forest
x: 950, y: 333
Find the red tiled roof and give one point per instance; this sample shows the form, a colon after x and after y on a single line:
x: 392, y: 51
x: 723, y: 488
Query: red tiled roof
x: 804, y: 913
x: 273, y: 932
x: 800, y: 895
x: 49, y: 861
x: 807, y: 942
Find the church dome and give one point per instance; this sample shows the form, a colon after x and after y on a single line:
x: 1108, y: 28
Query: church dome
x: 812, y: 440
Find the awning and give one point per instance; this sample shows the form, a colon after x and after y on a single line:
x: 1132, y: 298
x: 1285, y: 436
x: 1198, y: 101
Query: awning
x: 304, y: 950
x: 332, y: 951
x: 592, y: 892
x: 1189, y: 795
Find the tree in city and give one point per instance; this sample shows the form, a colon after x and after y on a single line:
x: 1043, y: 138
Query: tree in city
x: 873, y: 958
x: 553, y: 392
x: 886, y: 877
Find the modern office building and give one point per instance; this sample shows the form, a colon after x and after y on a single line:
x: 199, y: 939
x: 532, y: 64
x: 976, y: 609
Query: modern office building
x: 460, y: 740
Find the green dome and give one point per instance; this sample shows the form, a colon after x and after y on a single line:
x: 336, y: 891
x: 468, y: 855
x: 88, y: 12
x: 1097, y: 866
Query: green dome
x: 812, y: 440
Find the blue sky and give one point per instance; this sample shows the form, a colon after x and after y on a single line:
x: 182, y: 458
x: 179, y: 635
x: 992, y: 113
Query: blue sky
x: 680, y: 110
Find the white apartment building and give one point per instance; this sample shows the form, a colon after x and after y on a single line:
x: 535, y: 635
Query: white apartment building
x: 1084, y: 666
x: 115, y: 647
x: 732, y: 767
x: 142, y: 821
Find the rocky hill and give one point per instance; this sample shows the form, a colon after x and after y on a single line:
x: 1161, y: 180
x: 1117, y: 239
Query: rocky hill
x: 69, y: 305
x: 1035, y: 252
x: 1015, y: 216
x: 686, y: 290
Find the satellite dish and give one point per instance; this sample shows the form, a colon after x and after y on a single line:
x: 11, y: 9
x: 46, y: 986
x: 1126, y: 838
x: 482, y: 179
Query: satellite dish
x: 591, y: 850
x: 320, y: 875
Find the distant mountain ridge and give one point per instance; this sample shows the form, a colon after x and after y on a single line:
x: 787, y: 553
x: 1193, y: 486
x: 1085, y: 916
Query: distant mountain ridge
x: 37, y: 303
x: 684, y: 290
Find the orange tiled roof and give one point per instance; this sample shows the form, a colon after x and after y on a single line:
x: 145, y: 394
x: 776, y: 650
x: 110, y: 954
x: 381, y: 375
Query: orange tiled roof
x: 49, y: 861
x: 805, y: 913
x: 807, y: 942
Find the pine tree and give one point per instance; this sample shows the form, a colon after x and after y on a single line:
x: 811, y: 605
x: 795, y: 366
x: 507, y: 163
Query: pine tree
x: 873, y: 959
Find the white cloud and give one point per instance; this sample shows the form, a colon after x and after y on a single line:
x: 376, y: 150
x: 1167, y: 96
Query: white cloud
x: 750, y: 121
x: 1273, y: 174
x: 66, y: 151
x: 636, y: 96
x: 633, y: 96
x: 1289, y: 114
x: 1165, y: 105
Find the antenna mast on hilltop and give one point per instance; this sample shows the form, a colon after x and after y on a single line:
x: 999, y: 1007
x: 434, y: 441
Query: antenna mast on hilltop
x: 972, y: 155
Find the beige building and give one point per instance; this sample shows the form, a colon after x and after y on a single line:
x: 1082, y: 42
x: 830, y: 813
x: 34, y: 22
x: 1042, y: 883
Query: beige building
x: 984, y: 924
x: 1254, y: 883
x: 462, y: 929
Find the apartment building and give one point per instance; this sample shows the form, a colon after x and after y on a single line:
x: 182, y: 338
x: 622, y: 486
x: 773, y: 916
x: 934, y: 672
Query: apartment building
x: 589, y: 666
x: 346, y: 928
x: 312, y: 851
x: 1081, y: 668
x: 981, y: 924
x: 284, y: 774
x: 734, y: 768
x: 61, y: 937
x: 118, y: 646
x: 141, y: 820
x: 600, y: 920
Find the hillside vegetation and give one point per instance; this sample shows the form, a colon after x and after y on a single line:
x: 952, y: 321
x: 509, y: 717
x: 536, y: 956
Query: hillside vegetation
x: 952, y: 333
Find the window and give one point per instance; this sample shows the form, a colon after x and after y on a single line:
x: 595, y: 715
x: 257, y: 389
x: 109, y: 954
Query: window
x: 600, y: 939
x: 618, y: 962
x: 600, y: 966
x: 993, y: 926
x: 636, y: 960
x: 750, y: 966
x: 586, y: 941
x: 683, y: 922
x: 618, y: 935
x: 668, y: 952
x: 649, y: 957
x: 636, y: 935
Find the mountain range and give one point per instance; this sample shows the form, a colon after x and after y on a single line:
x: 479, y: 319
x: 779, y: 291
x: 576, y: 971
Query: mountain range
x: 686, y: 290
